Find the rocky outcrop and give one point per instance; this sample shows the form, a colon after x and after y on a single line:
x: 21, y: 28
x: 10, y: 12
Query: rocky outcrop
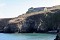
x: 29, y: 23
x: 43, y: 21
x: 3, y: 23
x: 30, y: 10
x: 11, y: 28
x: 58, y: 35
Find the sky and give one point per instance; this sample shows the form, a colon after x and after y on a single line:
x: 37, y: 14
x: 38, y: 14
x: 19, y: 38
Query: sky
x: 14, y: 8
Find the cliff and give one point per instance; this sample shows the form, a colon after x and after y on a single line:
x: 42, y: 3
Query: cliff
x: 3, y: 23
x: 58, y: 34
x: 42, y: 21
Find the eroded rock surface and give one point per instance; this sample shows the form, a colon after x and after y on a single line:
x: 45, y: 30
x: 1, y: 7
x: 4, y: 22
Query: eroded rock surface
x: 58, y: 35
x: 43, y: 21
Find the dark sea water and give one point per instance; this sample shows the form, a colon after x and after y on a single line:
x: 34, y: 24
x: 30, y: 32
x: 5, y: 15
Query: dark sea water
x: 27, y: 36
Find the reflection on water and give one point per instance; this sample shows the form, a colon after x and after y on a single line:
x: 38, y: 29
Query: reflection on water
x: 27, y: 36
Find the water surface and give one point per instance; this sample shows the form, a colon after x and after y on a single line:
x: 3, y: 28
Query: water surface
x: 27, y: 36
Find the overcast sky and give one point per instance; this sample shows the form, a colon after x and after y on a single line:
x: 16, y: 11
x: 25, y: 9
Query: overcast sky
x: 13, y: 8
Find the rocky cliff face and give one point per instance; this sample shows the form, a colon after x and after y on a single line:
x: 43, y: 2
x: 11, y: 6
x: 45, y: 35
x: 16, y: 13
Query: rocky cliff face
x: 58, y: 35
x: 3, y: 23
x: 36, y: 22
x: 43, y: 21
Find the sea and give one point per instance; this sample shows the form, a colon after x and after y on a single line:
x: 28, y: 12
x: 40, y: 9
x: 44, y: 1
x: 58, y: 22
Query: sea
x: 27, y: 36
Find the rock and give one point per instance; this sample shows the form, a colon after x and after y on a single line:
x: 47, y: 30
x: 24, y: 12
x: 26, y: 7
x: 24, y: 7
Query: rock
x: 11, y: 28
x: 28, y: 26
x: 39, y: 22
x: 3, y: 23
x: 58, y: 35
